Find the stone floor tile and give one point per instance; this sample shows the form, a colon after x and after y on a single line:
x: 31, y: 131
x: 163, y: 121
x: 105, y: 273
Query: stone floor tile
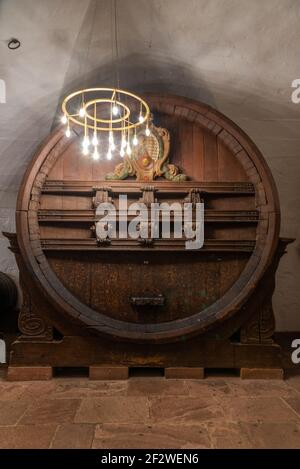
x: 258, y: 409
x: 220, y: 412
x: 11, y: 391
x: 273, y: 435
x: 294, y: 403
x: 82, y: 388
x: 12, y: 411
x: 150, y: 436
x: 184, y: 410
x: 228, y: 435
x: 208, y: 388
x: 294, y: 382
x: 26, y: 436
x: 156, y: 387
x: 51, y: 411
x: 261, y: 388
x: 37, y: 389
x: 70, y: 435
x: 113, y: 409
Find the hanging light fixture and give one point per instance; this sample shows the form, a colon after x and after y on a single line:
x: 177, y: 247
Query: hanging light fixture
x: 115, y: 112
x: 90, y: 116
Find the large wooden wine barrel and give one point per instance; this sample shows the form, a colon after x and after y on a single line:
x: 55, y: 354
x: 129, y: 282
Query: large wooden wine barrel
x: 157, y: 292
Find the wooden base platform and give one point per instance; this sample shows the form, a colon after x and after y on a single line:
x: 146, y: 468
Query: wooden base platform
x: 103, y: 373
x: 189, y: 359
x: 261, y: 373
x: 29, y: 373
x: 75, y: 351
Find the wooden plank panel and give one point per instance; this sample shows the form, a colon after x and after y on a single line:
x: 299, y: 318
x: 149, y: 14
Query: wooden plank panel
x: 73, y: 274
x: 171, y: 123
x: 51, y: 201
x: 230, y: 268
x: 210, y: 157
x: 198, y: 153
x: 229, y: 168
x: 54, y: 201
x: 70, y: 162
x: 113, y: 284
x: 56, y: 172
x: 186, y: 147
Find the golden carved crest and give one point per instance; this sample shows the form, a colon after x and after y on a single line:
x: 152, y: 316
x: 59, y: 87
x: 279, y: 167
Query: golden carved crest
x: 149, y: 159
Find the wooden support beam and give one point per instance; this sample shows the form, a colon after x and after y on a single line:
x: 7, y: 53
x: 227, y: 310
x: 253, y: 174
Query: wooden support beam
x: 29, y: 373
x: 90, y: 244
x: 161, y: 187
x: 261, y: 373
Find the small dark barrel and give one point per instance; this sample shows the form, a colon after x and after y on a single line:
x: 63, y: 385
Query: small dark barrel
x: 8, y: 292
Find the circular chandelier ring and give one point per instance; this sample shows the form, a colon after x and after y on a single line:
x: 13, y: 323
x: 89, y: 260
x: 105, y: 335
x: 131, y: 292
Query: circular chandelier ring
x: 104, y: 129
x: 107, y: 121
x: 114, y: 91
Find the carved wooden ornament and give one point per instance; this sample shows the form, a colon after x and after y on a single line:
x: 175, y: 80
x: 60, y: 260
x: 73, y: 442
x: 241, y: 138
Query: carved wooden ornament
x: 149, y: 159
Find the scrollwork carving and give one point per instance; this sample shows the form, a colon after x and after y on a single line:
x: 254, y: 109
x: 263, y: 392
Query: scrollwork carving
x: 150, y: 159
x: 30, y: 324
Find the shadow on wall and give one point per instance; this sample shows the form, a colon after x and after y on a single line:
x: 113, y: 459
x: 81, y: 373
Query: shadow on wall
x: 157, y: 73
x: 141, y: 76
x: 160, y: 55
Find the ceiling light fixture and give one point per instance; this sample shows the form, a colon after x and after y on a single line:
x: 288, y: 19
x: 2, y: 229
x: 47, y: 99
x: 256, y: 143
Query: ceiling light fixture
x: 114, y: 111
x: 91, y: 115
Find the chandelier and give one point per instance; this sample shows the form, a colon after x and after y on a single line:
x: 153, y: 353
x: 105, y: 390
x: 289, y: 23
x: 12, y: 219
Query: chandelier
x: 112, y: 120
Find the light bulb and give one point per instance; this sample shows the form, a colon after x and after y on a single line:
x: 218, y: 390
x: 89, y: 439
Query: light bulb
x: 82, y: 112
x: 115, y: 110
x: 95, y: 140
x: 124, y: 143
x: 135, y: 141
x: 64, y: 119
x: 141, y: 118
x: 85, y: 150
x: 96, y: 154
x: 109, y: 155
x: 68, y: 132
x: 111, y: 137
x: 85, y: 141
x: 112, y: 146
x: 128, y: 149
x: 122, y: 152
x: 147, y: 132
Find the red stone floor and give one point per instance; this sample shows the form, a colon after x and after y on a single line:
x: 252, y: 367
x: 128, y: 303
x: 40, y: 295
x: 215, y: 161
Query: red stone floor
x: 150, y: 412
